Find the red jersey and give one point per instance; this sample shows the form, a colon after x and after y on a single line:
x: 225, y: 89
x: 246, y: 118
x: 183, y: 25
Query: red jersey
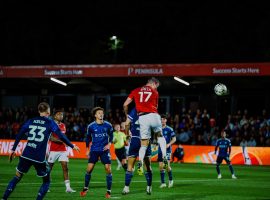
x: 57, y: 146
x: 146, y: 99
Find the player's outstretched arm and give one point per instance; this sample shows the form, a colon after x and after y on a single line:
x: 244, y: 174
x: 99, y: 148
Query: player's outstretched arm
x: 19, y: 136
x: 56, y: 140
x: 76, y: 148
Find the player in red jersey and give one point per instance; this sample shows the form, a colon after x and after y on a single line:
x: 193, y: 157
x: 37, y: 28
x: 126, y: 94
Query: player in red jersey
x: 146, y: 102
x: 59, y: 152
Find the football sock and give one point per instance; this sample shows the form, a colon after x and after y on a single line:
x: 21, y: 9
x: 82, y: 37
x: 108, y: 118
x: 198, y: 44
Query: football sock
x: 218, y: 170
x: 87, y: 179
x: 109, y: 181
x: 142, y: 153
x: 170, y: 175
x: 12, y: 184
x: 44, y: 188
x: 67, y: 183
x: 162, y: 144
x: 162, y: 176
x: 125, y: 166
x: 148, y: 176
x: 231, y: 169
x: 128, y: 178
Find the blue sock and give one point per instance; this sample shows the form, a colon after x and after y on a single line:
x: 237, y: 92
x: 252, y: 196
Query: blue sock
x: 128, y: 178
x: 109, y: 181
x: 87, y: 179
x: 170, y: 175
x: 148, y: 176
x: 12, y: 184
x: 231, y: 169
x: 43, y: 190
x: 125, y: 166
x: 218, y: 170
x: 162, y: 176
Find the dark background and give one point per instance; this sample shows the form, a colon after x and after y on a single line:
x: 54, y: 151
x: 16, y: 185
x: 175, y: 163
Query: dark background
x: 153, y: 31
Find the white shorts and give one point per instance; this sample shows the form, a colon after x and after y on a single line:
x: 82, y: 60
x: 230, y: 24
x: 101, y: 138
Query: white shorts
x: 58, y: 155
x: 148, y: 122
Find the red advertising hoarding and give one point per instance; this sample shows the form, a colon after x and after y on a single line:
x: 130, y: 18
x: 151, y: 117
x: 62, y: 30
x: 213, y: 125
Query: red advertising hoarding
x: 217, y: 69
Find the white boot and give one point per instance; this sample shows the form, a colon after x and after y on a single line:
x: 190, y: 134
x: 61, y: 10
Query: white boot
x: 170, y: 185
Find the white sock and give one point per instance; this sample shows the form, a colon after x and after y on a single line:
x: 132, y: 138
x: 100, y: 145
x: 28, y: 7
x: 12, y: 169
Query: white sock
x: 162, y: 143
x: 67, y: 183
x: 142, y: 153
x: 119, y: 163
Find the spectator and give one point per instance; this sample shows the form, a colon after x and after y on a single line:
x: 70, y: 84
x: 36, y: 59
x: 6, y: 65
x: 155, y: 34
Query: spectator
x: 251, y: 142
x: 178, y: 154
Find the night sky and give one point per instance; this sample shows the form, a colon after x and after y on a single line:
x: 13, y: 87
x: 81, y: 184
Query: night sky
x: 152, y: 31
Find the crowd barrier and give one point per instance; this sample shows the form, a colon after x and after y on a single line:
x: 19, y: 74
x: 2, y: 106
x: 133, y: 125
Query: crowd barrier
x: 192, y: 153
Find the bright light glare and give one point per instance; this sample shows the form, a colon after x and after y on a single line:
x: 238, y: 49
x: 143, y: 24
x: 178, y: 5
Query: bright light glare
x: 181, y: 81
x: 58, y: 81
x: 113, y: 37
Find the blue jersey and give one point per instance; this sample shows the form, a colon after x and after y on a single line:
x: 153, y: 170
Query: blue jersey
x: 223, y: 145
x: 38, y: 131
x: 168, y: 134
x: 135, y: 142
x: 99, y: 134
x: 135, y: 127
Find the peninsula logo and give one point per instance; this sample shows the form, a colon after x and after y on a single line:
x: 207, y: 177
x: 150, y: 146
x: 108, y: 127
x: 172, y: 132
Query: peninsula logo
x: 144, y: 71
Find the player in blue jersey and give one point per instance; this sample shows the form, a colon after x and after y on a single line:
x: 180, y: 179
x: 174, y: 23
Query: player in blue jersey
x: 100, y: 133
x: 132, y: 124
x: 224, y: 146
x: 170, y: 138
x: 38, y: 131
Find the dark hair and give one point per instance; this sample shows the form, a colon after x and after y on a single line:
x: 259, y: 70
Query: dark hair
x: 163, y: 116
x: 43, y: 107
x: 153, y: 80
x: 57, y: 111
x: 95, y: 109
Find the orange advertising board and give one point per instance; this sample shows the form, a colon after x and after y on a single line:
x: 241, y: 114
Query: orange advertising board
x: 193, y: 154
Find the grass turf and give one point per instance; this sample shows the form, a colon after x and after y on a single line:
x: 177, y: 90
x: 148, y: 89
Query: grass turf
x: 191, y: 181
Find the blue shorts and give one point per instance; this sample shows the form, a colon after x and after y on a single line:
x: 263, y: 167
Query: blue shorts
x: 134, y: 147
x: 168, y: 156
x: 24, y: 165
x: 221, y: 158
x: 104, y: 156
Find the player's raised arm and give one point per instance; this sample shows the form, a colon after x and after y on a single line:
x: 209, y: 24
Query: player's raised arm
x: 125, y: 105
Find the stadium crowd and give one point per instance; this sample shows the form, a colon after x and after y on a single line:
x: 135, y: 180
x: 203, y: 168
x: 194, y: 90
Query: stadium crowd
x: 195, y: 128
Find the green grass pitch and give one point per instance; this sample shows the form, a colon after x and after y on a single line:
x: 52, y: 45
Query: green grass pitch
x: 191, y: 181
